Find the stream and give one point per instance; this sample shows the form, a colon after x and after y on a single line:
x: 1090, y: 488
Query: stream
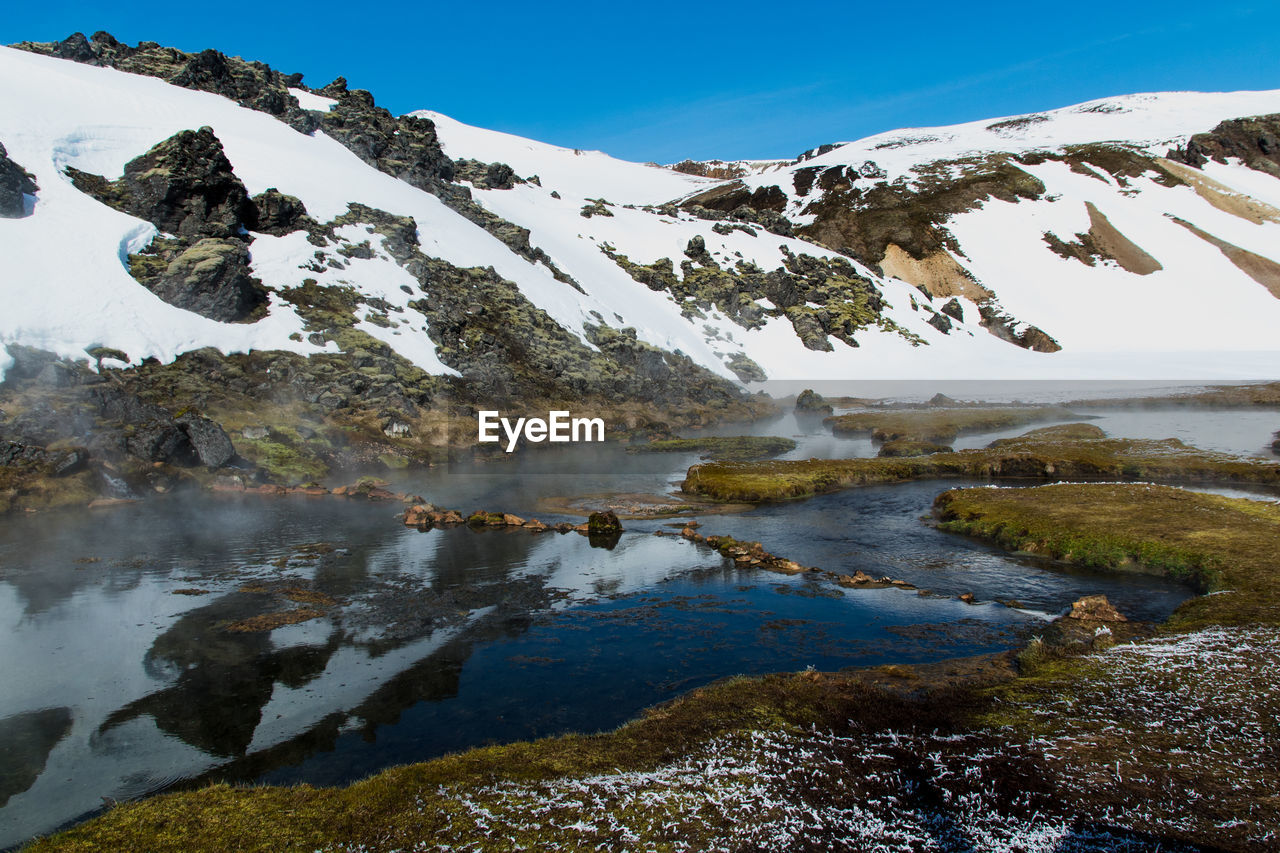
x: 124, y: 673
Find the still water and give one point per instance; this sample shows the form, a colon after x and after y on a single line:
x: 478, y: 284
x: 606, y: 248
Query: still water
x: 124, y: 673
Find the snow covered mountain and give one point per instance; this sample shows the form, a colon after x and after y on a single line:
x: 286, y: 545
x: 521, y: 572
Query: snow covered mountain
x: 1056, y: 244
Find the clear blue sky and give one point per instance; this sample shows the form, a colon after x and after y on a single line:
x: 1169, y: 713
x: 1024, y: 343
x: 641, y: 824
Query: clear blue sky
x: 667, y: 80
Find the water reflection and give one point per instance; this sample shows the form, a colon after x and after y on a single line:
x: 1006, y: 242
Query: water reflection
x: 425, y: 643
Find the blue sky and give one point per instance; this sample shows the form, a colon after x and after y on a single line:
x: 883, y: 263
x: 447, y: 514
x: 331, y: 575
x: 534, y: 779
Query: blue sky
x: 666, y: 80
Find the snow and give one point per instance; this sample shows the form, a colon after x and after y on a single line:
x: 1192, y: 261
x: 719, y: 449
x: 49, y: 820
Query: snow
x: 1152, y: 121
x: 63, y: 276
x: 572, y: 172
x: 309, y: 101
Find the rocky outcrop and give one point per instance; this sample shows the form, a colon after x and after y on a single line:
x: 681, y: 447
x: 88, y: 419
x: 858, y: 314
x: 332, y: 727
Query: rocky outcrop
x: 504, y: 346
x: 151, y: 433
x: 763, y: 206
x: 15, y: 184
x: 1253, y: 141
x: 995, y: 321
x: 277, y: 214
x: 185, y: 186
x: 212, y: 279
x: 405, y: 147
x: 862, y: 217
x: 486, y: 176
x: 250, y: 84
x: 847, y: 302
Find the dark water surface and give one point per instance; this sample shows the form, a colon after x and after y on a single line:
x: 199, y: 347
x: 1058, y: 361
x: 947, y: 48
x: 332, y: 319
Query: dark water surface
x: 119, y: 675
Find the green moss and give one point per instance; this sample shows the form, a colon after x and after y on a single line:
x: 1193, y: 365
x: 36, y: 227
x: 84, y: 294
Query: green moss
x: 944, y: 425
x: 720, y: 447
x: 403, y: 806
x: 911, y: 447
x: 1211, y: 542
x: 286, y: 464
x: 1030, y: 458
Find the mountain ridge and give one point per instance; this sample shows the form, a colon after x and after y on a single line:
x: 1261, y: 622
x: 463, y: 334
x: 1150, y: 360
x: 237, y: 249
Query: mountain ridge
x: 378, y: 277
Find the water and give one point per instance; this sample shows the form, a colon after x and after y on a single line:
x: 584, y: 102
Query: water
x: 121, y: 676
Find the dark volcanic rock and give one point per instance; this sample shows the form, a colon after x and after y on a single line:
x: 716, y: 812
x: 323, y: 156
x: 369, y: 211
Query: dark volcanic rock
x: 1254, y: 141
x: 250, y: 84
x: 160, y: 441
x: 954, y: 310
x: 212, y: 279
x: 152, y: 434
x: 487, y: 176
x: 210, y: 442
x: 277, y: 214
x: 15, y: 182
x: 186, y: 186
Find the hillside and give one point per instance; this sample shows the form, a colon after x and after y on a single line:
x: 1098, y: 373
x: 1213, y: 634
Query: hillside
x: 210, y: 237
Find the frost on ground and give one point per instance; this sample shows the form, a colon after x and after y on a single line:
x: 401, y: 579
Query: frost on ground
x: 1176, y: 735
x: 1126, y: 759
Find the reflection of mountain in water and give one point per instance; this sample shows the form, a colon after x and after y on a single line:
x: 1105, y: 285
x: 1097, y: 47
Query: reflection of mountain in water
x: 25, y: 742
x: 225, y: 679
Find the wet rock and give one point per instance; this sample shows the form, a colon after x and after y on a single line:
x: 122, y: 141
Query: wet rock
x: 1095, y: 608
x: 535, y: 525
x: 603, y: 523
x: 15, y: 184
x: 69, y: 462
x: 512, y: 520
x: 967, y: 598
x: 418, y: 516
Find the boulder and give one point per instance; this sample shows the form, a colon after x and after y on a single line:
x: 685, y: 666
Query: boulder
x: 208, y: 439
x: 278, y: 214
x: 1095, y: 608
x: 417, y: 516
x: 603, y: 523
x: 812, y: 402
x: 185, y: 186
x: 212, y: 279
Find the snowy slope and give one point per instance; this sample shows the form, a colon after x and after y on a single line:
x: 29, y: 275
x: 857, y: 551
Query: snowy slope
x: 1199, y: 317
x: 1152, y: 121
x: 1199, y: 303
